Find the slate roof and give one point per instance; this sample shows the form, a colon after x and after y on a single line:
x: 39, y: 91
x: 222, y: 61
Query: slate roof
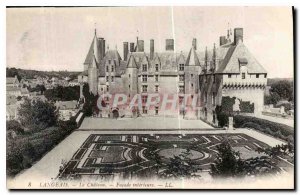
x: 11, y: 109
x: 11, y: 80
x: 192, y: 59
x: 229, y: 55
x: 231, y: 63
x: 66, y: 105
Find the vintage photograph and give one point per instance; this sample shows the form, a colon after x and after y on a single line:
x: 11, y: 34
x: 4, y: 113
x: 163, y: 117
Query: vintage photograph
x: 150, y: 98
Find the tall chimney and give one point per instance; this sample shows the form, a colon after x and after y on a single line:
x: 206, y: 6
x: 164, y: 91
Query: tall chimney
x: 238, y: 35
x: 151, y: 49
x: 125, y: 50
x: 194, y: 43
x: 103, y: 48
x: 131, y: 47
x: 140, y: 46
x: 169, y: 44
x: 100, y: 46
x: 222, y: 40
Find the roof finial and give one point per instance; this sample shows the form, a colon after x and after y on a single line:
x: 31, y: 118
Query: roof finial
x: 95, y: 24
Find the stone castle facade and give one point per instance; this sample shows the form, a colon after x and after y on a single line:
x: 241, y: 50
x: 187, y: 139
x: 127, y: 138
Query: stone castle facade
x: 207, y: 76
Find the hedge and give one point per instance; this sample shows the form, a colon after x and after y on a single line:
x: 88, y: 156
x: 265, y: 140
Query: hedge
x: 275, y: 129
x: 23, y: 151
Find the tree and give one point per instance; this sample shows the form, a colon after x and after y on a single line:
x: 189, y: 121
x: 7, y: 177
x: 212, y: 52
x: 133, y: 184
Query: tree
x: 181, y: 166
x: 61, y: 93
x: 225, y: 110
x: 90, y: 101
x: 271, y: 99
x: 284, y: 89
x: 36, y: 114
x: 14, y: 126
x: 228, y: 162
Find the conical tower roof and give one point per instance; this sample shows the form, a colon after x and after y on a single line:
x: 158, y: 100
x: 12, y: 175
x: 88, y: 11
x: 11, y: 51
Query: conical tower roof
x: 131, y: 62
x: 192, y: 59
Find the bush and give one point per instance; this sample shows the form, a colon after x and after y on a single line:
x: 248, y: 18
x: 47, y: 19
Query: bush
x: 23, y: 151
x: 275, y: 129
x: 14, y: 126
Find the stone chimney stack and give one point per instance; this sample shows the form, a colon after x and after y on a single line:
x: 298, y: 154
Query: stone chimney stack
x: 151, y: 49
x: 131, y: 47
x: 222, y: 40
x: 125, y: 50
x: 140, y: 46
x: 169, y: 44
x: 238, y: 35
x: 194, y: 43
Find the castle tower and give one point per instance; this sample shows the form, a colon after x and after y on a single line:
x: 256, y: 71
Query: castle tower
x: 93, y: 77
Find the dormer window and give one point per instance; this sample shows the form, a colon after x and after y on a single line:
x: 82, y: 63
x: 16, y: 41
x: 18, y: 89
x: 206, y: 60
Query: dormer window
x: 144, y: 67
x: 156, y: 67
x: 243, y: 61
x: 181, y: 67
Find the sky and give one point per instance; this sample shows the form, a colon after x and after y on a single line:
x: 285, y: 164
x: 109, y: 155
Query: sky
x: 59, y: 38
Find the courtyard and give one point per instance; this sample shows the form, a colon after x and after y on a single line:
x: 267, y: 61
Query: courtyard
x: 132, y: 154
x: 100, y: 147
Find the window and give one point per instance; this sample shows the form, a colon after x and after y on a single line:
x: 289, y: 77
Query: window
x: 181, y: 67
x: 112, y: 78
x: 101, y: 89
x: 109, y: 61
x: 214, y: 98
x: 243, y: 75
x: 205, y: 97
x: 144, y: 88
x: 156, y: 110
x: 181, y: 77
x: 192, y: 84
x: 144, y: 67
x: 107, y: 69
x: 156, y: 88
x: 214, y: 78
x: 181, y: 89
x: 257, y: 76
x: 156, y: 78
x: 107, y: 88
x: 229, y: 75
x: 265, y: 75
x: 144, y: 98
x: 156, y: 67
x: 144, y: 110
x: 129, y: 86
x: 144, y: 78
x: 112, y: 68
x: 129, y: 75
x: 180, y: 99
x: 107, y: 78
x: 192, y: 75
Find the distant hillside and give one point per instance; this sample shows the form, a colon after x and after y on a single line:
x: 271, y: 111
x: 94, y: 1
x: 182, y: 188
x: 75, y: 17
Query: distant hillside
x: 30, y: 74
x: 270, y: 81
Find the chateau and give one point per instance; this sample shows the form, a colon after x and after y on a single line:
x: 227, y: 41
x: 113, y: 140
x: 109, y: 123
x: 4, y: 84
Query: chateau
x: 229, y: 69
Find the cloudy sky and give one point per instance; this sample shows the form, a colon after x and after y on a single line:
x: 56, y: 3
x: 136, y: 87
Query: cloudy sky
x: 59, y: 38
